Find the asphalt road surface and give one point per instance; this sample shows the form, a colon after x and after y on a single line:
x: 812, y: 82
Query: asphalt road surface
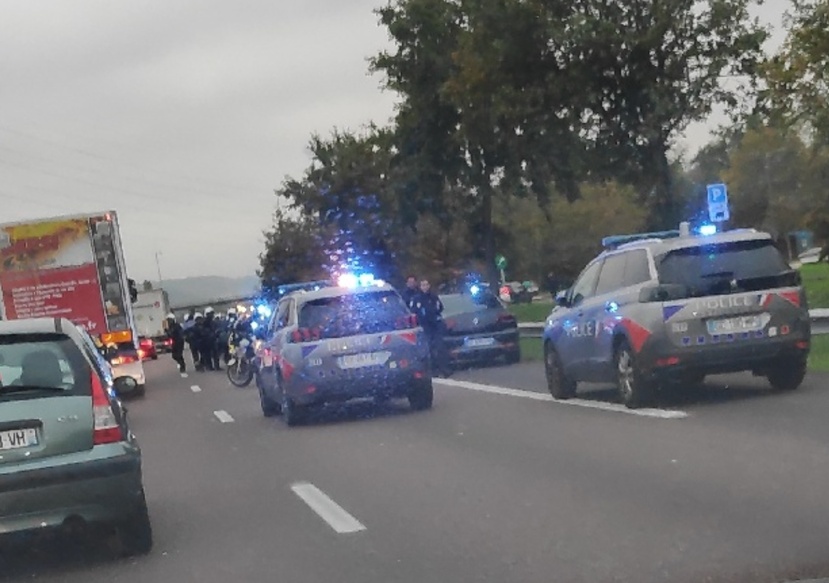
x: 496, y: 483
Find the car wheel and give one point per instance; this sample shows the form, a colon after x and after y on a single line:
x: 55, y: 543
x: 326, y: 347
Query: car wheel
x: 787, y: 376
x: 154, y: 357
x: 270, y: 408
x: 292, y: 413
x: 135, y: 535
x: 634, y: 390
x: 559, y: 385
x: 514, y: 356
x: 422, y: 395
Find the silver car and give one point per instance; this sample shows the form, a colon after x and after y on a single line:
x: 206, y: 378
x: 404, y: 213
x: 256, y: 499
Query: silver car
x: 340, y: 343
x: 674, y: 307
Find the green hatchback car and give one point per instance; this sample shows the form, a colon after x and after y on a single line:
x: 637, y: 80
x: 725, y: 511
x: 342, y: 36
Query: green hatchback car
x: 67, y: 456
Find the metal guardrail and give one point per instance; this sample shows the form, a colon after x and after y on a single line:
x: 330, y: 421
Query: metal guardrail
x: 819, y: 318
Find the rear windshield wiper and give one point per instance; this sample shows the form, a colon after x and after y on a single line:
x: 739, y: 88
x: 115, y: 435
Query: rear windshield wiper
x: 25, y: 388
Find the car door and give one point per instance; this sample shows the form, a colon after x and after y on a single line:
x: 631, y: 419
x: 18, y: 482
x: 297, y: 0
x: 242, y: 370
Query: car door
x: 270, y: 345
x: 570, y: 346
x: 618, y: 287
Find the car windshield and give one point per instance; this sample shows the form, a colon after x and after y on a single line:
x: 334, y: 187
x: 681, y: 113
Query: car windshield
x: 352, y: 314
x: 464, y: 303
x: 726, y: 268
x: 52, y: 362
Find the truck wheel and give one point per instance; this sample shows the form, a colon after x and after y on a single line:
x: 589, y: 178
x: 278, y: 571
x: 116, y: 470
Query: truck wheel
x: 559, y: 385
x: 787, y: 376
x: 634, y: 390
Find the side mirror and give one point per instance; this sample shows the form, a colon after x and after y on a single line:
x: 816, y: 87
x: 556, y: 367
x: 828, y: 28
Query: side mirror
x: 124, y: 385
x: 562, y: 298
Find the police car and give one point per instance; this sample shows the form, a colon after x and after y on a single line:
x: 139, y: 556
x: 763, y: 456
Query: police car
x: 675, y: 306
x: 339, y: 341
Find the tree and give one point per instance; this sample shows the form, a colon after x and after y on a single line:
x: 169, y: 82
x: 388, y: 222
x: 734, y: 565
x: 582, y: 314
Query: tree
x: 768, y: 177
x: 292, y: 252
x: 346, y: 189
x: 147, y: 285
x: 652, y: 68
x: 798, y: 76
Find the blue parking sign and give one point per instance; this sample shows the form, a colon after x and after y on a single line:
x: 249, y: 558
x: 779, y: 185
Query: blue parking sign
x: 717, y: 202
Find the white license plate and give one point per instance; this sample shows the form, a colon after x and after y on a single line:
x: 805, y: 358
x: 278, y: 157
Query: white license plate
x: 476, y: 342
x: 364, y: 359
x: 17, y: 438
x: 735, y: 325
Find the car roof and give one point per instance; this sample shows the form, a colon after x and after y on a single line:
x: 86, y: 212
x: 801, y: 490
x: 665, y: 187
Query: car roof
x: 38, y: 326
x: 335, y: 291
x: 661, y: 246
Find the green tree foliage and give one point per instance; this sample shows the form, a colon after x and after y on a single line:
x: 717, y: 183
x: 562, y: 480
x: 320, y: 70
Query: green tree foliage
x: 292, y: 251
x: 798, y: 76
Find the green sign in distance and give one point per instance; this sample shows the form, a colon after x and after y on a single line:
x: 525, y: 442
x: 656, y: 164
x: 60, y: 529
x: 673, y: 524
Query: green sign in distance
x: 500, y: 262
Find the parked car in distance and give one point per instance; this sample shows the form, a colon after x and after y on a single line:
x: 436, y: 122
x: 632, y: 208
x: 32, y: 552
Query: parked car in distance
x: 68, y: 459
x: 479, y: 328
x: 147, y: 349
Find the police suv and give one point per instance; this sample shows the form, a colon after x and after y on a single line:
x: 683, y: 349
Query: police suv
x: 336, y: 341
x: 675, y: 306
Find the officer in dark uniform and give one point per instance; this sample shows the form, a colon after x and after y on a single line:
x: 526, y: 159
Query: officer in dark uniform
x: 210, y: 352
x: 176, y: 335
x: 410, y: 293
x: 429, y: 311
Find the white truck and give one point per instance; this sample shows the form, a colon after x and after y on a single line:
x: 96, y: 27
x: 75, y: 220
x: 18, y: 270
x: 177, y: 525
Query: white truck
x: 150, y: 311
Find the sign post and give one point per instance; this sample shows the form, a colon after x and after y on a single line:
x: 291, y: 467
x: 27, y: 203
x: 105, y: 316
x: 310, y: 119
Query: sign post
x: 717, y: 203
x: 501, y: 264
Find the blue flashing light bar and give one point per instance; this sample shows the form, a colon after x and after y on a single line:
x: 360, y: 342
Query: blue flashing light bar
x: 304, y: 286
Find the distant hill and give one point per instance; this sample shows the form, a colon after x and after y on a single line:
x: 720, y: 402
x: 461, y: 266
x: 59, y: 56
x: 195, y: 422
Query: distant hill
x: 196, y: 290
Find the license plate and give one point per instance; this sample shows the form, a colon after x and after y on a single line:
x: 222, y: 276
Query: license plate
x: 476, y: 342
x: 735, y: 325
x: 364, y: 359
x: 17, y: 438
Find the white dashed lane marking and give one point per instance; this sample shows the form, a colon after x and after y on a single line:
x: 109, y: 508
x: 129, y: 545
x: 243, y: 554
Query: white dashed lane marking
x: 195, y: 388
x: 612, y: 407
x: 335, y: 515
x: 223, y: 416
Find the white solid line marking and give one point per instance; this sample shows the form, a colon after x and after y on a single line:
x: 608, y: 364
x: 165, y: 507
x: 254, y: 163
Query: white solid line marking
x: 616, y: 408
x: 335, y: 515
x: 223, y: 416
x: 195, y: 388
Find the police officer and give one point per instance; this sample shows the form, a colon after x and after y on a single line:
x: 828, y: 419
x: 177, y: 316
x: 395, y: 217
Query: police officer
x: 410, y: 293
x: 197, y: 340
x: 429, y: 310
x: 176, y: 335
x: 210, y: 339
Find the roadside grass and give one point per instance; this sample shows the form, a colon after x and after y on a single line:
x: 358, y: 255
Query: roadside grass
x: 534, y: 312
x: 816, y: 281
x: 532, y: 351
x: 819, y: 355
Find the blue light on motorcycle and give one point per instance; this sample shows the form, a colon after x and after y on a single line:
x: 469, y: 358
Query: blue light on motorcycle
x: 474, y: 289
x: 254, y: 325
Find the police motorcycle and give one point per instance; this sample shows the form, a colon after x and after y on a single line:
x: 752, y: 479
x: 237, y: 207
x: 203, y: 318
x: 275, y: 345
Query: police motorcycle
x: 242, y: 346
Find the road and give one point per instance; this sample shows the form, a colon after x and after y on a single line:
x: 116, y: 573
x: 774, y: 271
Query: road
x: 729, y: 486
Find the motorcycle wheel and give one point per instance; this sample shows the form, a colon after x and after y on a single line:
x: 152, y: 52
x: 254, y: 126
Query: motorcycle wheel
x: 240, y: 373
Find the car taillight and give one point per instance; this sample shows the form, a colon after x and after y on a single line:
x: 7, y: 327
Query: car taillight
x: 146, y: 343
x: 507, y: 319
x: 105, y: 428
x: 126, y: 359
x: 408, y: 321
x: 141, y: 353
x: 305, y: 335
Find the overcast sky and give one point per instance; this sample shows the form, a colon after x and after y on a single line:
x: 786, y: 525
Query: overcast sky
x: 184, y: 115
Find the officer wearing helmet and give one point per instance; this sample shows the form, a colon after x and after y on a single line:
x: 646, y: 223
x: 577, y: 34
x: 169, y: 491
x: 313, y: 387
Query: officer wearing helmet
x: 176, y: 335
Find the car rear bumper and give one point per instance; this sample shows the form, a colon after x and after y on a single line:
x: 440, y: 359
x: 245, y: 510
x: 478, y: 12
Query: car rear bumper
x: 133, y: 369
x: 728, y: 358
x: 307, y: 388
x: 100, y: 486
x: 505, y: 343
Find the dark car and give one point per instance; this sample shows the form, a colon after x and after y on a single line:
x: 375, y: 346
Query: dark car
x: 479, y: 327
x: 67, y: 456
